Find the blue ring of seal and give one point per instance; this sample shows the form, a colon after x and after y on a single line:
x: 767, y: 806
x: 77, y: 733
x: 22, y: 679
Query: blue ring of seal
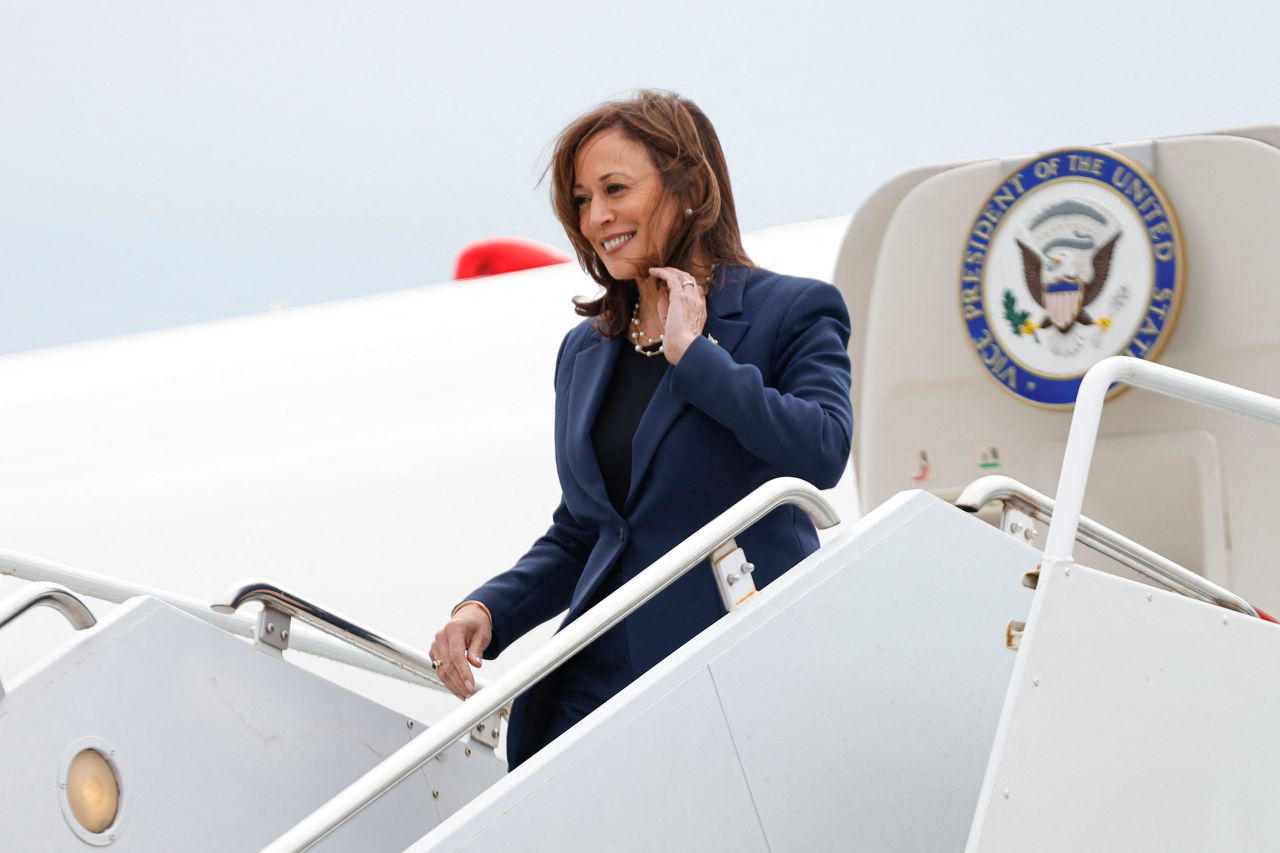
x: 1106, y: 169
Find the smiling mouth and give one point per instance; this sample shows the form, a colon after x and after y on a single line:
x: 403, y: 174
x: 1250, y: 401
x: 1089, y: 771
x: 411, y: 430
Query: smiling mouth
x: 614, y: 242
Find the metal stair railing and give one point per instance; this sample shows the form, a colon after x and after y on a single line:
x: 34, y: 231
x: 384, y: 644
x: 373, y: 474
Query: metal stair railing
x: 106, y: 588
x: 1156, y: 567
x: 49, y: 595
x: 288, y: 605
x: 572, y: 638
x: 1087, y: 416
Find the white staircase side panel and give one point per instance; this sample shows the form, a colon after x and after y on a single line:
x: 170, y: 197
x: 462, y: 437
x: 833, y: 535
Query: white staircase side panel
x: 1136, y: 720
x: 670, y: 781
x: 739, y: 741
x: 220, y: 745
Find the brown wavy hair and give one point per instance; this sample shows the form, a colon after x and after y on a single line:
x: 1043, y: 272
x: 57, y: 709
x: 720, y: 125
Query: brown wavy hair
x: 683, y: 147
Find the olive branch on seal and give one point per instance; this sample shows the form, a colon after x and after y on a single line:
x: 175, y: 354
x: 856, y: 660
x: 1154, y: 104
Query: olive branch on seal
x: 1018, y: 319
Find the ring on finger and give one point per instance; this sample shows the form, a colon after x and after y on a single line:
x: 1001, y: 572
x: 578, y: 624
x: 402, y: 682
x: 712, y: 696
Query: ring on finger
x: 688, y: 282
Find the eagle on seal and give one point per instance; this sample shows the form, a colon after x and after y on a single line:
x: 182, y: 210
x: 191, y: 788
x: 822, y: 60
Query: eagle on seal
x: 1065, y: 297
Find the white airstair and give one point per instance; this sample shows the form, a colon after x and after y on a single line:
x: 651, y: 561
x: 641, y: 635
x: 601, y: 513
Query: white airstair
x: 924, y: 682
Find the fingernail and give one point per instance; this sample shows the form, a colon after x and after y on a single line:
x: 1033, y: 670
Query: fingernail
x: 471, y: 685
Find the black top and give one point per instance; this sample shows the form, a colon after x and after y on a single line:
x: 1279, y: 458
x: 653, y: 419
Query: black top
x: 635, y: 378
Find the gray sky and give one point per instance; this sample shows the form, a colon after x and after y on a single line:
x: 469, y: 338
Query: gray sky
x: 165, y: 163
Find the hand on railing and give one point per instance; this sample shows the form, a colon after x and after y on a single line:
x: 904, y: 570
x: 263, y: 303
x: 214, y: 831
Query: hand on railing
x: 290, y: 604
x: 116, y: 591
x: 459, y: 645
x: 568, y: 641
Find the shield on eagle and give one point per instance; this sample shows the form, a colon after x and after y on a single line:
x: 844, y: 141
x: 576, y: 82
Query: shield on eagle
x: 1063, y: 300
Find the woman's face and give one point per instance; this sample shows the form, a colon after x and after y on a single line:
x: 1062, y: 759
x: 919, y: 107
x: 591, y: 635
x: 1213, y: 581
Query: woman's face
x: 622, y: 209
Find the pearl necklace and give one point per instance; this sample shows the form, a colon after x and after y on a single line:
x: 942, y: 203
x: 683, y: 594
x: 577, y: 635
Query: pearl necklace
x: 637, y: 333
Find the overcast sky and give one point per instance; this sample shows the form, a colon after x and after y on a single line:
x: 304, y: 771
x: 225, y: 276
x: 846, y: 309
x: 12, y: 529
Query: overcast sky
x: 166, y: 162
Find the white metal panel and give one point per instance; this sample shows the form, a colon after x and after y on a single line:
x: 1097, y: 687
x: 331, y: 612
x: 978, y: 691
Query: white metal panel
x: 220, y: 745
x: 674, y: 776
x: 862, y: 684
x: 1268, y: 133
x: 915, y: 633
x: 1136, y: 720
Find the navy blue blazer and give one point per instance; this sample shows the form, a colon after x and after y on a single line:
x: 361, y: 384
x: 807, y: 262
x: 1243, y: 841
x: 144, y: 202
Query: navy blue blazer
x: 768, y: 398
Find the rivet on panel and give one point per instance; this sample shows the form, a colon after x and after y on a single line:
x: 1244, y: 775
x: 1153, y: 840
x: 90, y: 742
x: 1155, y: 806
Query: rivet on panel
x: 409, y: 723
x: 1035, y: 682
x: 1150, y: 597
x: 1006, y: 793
x: 466, y: 751
x: 435, y: 795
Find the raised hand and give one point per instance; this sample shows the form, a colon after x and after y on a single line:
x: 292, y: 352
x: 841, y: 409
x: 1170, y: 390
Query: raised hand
x: 682, y: 309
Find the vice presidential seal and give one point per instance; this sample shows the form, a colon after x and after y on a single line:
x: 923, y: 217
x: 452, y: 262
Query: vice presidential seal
x: 1076, y: 256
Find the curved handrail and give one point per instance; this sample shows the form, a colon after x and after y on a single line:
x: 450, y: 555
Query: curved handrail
x: 332, y: 623
x: 590, y: 625
x: 116, y: 591
x: 1141, y: 559
x: 51, y: 595
x: 1088, y: 415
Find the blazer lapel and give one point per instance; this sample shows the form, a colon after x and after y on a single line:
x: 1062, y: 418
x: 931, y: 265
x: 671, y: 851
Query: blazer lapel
x: 592, y: 368
x: 725, y: 304
x: 725, y: 301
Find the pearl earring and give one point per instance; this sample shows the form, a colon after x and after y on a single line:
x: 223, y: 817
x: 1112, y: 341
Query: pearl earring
x: 688, y: 211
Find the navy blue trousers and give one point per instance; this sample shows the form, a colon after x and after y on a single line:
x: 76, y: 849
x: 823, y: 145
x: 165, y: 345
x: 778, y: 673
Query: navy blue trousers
x: 583, y: 683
